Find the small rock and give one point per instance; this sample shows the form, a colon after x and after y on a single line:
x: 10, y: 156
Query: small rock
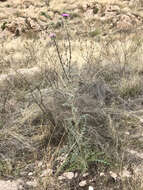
x: 113, y: 175
x: 127, y: 133
x: 90, y: 188
x: 30, y: 173
x: 61, y: 177
x: 76, y: 174
x: 20, y: 187
x: 102, y: 174
x: 32, y: 183
x: 69, y: 175
x: 85, y: 174
x: 40, y: 164
x: 23, y: 173
x: 46, y: 172
x: 92, y: 180
x: 83, y: 183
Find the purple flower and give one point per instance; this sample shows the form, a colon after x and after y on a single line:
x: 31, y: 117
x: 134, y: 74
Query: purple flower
x: 65, y: 15
x: 52, y: 35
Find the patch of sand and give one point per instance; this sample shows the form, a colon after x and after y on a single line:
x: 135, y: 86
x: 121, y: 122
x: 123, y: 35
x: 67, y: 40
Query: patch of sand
x: 8, y: 185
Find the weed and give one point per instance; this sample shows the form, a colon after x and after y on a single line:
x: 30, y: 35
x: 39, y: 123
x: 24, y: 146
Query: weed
x: 83, y: 120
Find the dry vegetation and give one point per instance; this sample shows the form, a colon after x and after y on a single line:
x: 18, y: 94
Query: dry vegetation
x: 72, y: 103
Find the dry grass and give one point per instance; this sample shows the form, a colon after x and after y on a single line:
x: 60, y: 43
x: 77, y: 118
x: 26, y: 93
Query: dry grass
x: 72, y: 98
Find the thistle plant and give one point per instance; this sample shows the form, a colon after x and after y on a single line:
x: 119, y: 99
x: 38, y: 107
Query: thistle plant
x: 53, y: 37
x: 64, y: 64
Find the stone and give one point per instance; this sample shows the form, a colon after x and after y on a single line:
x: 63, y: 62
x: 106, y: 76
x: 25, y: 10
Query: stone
x: 61, y: 177
x: 46, y: 172
x: 69, y: 175
x: 32, y: 183
x: 30, y: 173
x: 113, y: 175
x: 90, y: 188
x: 83, y: 183
x: 102, y: 174
x: 85, y: 174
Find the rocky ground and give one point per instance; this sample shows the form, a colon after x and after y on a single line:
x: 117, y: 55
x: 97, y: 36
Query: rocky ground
x: 32, y: 17
x: 24, y: 23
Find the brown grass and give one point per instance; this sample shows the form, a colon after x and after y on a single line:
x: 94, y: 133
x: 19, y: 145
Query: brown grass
x: 81, y: 101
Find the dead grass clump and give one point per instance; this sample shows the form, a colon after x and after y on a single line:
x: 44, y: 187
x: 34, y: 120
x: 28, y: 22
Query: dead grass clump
x: 83, y: 120
x: 130, y: 87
